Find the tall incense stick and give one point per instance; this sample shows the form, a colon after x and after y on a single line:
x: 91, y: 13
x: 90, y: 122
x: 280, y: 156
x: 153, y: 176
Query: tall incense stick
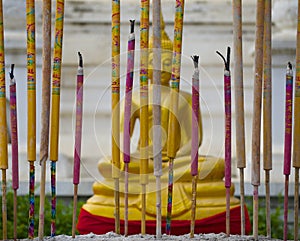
x: 31, y: 103
x: 144, y: 44
x: 173, y: 124
x: 227, y: 101
x: 257, y: 100
x: 287, y: 142
x: 45, y: 113
x: 157, y: 155
x: 78, y: 133
x: 267, y: 110
x: 115, y: 92
x: 195, y: 140
x: 296, y: 140
x: 55, y: 104
x: 3, y: 126
x: 239, y: 102
x: 127, y: 115
x: 14, y: 143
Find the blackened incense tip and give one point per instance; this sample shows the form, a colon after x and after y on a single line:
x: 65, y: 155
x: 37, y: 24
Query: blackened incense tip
x: 11, y: 74
x: 290, y: 66
x: 80, y: 60
x: 132, y: 25
x: 227, y: 60
x: 195, y: 58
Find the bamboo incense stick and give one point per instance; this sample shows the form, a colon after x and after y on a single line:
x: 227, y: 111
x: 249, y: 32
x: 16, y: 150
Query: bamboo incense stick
x: 3, y: 127
x: 78, y: 134
x: 157, y: 154
x: 31, y: 103
x: 267, y: 110
x: 173, y: 124
x: 14, y: 144
x: 257, y: 100
x: 127, y: 115
x: 115, y: 121
x: 227, y: 101
x: 239, y: 102
x: 287, y: 142
x: 195, y: 140
x: 296, y: 140
x: 45, y: 112
x: 55, y: 106
x: 144, y: 155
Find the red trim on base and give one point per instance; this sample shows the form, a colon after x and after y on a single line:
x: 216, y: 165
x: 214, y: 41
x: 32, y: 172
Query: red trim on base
x: 88, y: 223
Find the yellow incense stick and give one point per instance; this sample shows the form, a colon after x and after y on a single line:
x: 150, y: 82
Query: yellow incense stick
x: 115, y: 90
x: 144, y: 35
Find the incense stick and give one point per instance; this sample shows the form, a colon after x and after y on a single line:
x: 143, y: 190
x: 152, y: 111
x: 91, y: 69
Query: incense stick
x: 267, y: 110
x: 31, y: 103
x: 3, y: 127
x: 287, y: 142
x: 144, y: 44
x: 115, y: 120
x: 45, y: 112
x: 55, y: 103
x: 296, y: 140
x: 195, y: 140
x: 227, y: 101
x: 127, y: 115
x: 78, y: 134
x: 14, y: 144
x: 257, y: 99
x: 157, y: 155
x: 173, y: 124
x: 239, y: 102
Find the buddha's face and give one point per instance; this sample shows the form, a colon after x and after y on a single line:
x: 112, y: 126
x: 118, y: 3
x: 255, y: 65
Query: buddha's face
x: 166, y: 66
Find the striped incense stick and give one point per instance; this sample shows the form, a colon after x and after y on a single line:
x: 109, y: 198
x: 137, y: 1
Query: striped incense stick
x: 173, y: 125
x: 144, y: 44
x: 55, y: 104
x: 31, y: 103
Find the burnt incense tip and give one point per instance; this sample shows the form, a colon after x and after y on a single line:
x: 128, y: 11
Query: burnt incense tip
x: 132, y: 25
x: 80, y: 60
x: 11, y: 74
x: 289, y: 65
x: 227, y: 60
x: 195, y: 58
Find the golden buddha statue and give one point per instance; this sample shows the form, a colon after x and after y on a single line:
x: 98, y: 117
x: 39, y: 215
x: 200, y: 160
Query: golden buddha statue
x: 97, y: 215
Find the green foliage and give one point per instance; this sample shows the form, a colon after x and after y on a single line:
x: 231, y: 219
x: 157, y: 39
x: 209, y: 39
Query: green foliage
x: 276, y: 218
x: 64, y: 213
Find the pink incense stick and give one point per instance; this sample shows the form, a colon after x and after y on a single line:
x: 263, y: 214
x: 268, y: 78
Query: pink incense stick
x: 227, y: 99
x: 287, y: 141
x: 78, y: 132
x: 195, y: 118
x: 14, y: 144
x: 195, y: 140
x: 127, y: 114
x: 14, y: 130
